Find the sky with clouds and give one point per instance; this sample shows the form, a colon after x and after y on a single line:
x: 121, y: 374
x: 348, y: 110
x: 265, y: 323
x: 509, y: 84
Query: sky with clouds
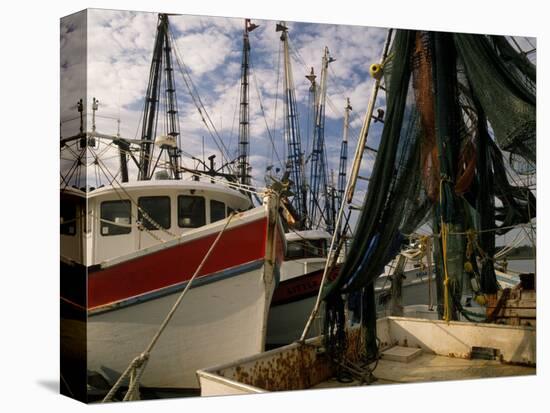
x: 119, y: 49
x: 110, y: 53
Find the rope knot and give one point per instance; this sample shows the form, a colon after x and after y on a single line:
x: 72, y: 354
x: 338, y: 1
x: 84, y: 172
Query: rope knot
x: 138, y: 361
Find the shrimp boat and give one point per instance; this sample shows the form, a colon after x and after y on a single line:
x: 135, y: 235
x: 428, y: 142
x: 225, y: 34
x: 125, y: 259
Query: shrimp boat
x: 128, y: 249
x: 300, y: 278
x: 134, y: 279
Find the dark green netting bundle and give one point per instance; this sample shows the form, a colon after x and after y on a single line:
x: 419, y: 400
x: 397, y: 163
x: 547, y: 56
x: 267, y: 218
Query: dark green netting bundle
x: 499, y: 81
x: 438, y: 160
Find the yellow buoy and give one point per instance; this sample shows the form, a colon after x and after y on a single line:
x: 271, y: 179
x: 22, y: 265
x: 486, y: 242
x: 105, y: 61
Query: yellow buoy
x: 376, y: 70
x: 481, y: 299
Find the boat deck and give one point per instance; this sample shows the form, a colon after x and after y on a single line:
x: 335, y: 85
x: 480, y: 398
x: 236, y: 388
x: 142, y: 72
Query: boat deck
x: 430, y: 367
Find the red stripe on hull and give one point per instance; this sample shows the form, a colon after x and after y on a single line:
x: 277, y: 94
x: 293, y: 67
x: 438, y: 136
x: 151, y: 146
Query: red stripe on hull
x: 176, y: 264
x: 300, y: 287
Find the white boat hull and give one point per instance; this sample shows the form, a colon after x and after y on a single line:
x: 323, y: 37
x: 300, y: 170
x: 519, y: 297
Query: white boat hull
x: 215, y: 323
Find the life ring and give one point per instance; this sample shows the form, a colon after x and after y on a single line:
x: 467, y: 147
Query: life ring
x: 376, y: 70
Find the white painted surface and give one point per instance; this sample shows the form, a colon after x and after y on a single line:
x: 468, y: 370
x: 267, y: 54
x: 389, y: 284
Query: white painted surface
x: 216, y: 385
x: 516, y: 344
x: 214, y: 324
x: 311, y: 234
x: 301, y: 266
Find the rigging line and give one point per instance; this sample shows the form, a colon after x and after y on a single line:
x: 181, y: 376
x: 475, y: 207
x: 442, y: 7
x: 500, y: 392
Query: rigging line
x: 166, y: 166
x: 506, y: 249
x: 322, y: 216
x: 232, y: 185
x: 209, y: 126
x: 331, y: 104
x: 263, y: 113
x: 76, y: 164
x: 519, y: 226
x: 298, y: 57
x: 198, y: 102
x: 63, y: 179
x: 112, y: 145
x: 234, y: 120
x: 139, y: 121
x: 69, y: 119
x: 276, y: 99
x: 529, y: 42
x: 132, y: 200
x: 132, y: 215
x: 107, y: 146
x: 223, y: 182
x: 142, y: 359
x: 354, y: 130
x: 520, y: 49
x: 109, y: 179
x: 353, y: 115
x: 68, y: 147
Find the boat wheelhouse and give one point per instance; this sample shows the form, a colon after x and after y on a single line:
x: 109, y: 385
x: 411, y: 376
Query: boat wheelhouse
x: 134, y: 216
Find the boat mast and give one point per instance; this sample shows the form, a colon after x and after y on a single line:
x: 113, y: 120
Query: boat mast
x: 292, y: 134
x: 318, y: 173
x: 342, y: 167
x: 244, y: 125
x: 161, y: 61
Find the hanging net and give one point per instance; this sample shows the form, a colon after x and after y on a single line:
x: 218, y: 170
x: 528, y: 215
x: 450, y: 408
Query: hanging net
x: 454, y: 101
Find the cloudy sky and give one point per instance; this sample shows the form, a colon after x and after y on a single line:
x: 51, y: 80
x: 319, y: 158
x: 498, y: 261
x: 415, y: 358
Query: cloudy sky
x: 119, y: 49
x: 112, y: 57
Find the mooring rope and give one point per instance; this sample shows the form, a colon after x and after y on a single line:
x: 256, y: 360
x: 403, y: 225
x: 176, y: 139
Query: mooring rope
x: 140, y: 362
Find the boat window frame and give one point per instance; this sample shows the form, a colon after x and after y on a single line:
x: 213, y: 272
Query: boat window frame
x: 148, y: 225
x: 72, y: 220
x: 223, y: 209
x: 121, y: 229
x: 180, y: 197
x: 310, y: 248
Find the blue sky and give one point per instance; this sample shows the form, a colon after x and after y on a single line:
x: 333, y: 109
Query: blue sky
x: 118, y: 58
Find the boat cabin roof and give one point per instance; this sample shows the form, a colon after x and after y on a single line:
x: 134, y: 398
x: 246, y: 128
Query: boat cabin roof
x: 213, y: 189
x: 312, y: 234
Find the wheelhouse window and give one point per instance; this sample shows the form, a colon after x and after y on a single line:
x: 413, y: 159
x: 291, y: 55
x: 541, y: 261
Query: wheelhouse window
x: 116, y: 218
x: 217, y: 210
x: 294, y: 250
x: 306, y: 249
x: 68, y: 218
x: 154, y: 212
x: 191, y: 211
